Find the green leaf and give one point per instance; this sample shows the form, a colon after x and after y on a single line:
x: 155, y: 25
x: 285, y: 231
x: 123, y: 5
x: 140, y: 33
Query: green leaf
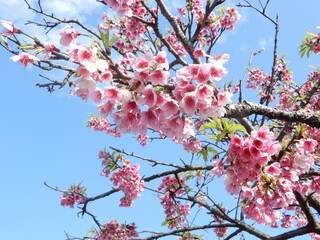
x: 104, y: 38
x: 239, y: 127
x: 225, y: 124
x: 113, y: 40
x: 207, y: 126
x: 312, y: 66
x: 221, y: 136
x: 204, y: 152
x: 26, y: 47
x: 217, y: 123
x: 310, y: 32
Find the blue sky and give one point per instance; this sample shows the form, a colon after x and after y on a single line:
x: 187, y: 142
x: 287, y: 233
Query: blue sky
x: 44, y: 138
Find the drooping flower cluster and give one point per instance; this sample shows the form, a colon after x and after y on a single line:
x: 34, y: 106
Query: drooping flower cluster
x: 247, y: 156
x: 176, y: 213
x: 265, y: 183
x: 146, y: 105
x: 128, y: 180
x: 220, y: 231
x: 124, y: 177
x: 116, y: 231
x: 75, y: 194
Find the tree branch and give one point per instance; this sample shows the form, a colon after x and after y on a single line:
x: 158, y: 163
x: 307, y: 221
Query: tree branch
x: 181, y: 36
x: 245, y: 109
x: 187, y: 229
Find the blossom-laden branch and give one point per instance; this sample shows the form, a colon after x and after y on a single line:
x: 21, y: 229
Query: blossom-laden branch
x: 145, y: 92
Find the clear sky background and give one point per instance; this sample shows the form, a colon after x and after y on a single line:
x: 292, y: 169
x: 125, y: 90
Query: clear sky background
x: 43, y: 136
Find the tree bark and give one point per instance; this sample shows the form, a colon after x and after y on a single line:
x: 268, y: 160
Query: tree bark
x: 246, y: 109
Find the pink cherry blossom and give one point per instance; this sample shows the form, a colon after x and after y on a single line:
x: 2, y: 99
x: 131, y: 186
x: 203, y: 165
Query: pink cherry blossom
x: 25, y: 58
x: 68, y: 35
x: 114, y: 230
x: 159, y: 77
x: 106, y: 108
x: 86, y: 83
x: 98, y: 95
x: 224, y: 98
x: 112, y: 94
x: 106, y: 77
x: 121, y: 7
x: 83, y: 93
x: 170, y: 107
x: 161, y: 60
x: 204, y: 91
x: 193, y: 145
x: 148, y: 97
x: 188, y: 104
x: 9, y: 28
x: 200, y: 53
x: 49, y: 48
x: 176, y: 213
x: 150, y: 119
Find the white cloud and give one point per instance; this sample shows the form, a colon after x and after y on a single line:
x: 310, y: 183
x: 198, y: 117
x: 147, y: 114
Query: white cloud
x: 244, y: 12
x: 15, y: 11
x: 76, y: 9
x: 86, y: 11
x: 265, y: 42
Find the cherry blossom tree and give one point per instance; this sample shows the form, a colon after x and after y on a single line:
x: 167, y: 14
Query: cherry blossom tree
x: 157, y: 81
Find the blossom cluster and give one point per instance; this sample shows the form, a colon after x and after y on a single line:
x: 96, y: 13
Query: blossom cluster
x: 291, y: 97
x: 264, y: 183
x: 75, y: 194
x: 220, y: 231
x: 116, y: 231
x: 176, y: 213
x: 247, y: 157
x: 146, y: 105
x: 310, y: 43
x: 123, y: 8
x: 124, y: 177
x: 128, y: 180
x: 271, y: 85
x: 139, y: 93
x: 315, y: 44
x: 222, y: 19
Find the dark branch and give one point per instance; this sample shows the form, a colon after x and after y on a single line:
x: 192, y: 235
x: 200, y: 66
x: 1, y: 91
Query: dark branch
x: 246, y: 109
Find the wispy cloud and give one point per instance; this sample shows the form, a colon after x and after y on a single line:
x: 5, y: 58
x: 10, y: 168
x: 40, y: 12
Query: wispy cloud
x: 78, y: 9
x: 16, y: 11
x: 265, y: 42
x: 86, y: 11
